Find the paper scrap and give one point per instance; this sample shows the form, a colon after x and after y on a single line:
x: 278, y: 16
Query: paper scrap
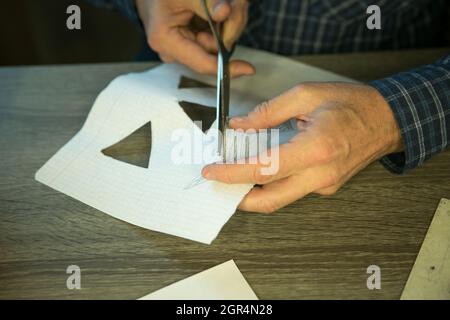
x: 222, y: 282
x: 155, y: 196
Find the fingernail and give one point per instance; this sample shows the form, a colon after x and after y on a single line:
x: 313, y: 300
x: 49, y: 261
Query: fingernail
x: 206, y: 173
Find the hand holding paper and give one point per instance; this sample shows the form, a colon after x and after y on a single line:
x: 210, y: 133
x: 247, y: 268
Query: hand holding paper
x: 343, y: 128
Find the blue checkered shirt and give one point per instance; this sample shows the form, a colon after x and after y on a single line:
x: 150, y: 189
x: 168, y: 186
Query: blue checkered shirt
x: 419, y: 98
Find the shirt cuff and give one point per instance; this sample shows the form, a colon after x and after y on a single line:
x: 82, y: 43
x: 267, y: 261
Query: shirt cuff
x: 419, y: 100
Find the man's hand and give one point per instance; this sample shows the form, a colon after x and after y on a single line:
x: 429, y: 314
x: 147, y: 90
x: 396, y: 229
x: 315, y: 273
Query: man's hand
x: 177, y: 30
x: 342, y: 129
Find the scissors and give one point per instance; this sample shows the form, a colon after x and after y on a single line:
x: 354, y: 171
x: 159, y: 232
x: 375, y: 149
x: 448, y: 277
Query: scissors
x: 223, y: 90
x: 223, y: 81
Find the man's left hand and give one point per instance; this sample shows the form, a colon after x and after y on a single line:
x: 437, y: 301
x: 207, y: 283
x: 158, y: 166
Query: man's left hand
x: 342, y: 128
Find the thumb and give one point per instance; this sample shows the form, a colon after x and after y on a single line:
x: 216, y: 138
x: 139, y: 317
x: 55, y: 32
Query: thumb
x: 219, y: 10
x: 236, y: 22
x: 293, y: 103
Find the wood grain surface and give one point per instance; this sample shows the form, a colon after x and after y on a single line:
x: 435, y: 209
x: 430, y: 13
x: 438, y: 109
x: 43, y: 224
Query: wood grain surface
x: 318, y: 247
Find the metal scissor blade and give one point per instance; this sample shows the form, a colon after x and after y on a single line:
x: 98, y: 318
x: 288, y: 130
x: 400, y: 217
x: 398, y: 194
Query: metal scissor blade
x: 223, y: 81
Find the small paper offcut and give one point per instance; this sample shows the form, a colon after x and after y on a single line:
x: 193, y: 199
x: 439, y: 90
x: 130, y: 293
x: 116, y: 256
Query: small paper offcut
x: 222, y: 282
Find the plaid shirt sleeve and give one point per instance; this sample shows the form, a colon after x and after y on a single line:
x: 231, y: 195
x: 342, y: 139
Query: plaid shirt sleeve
x: 125, y: 7
x: 420, y: 100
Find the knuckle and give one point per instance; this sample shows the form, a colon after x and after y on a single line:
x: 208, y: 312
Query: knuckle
x: 263, y: 111
x: 268, y: 206
x: 307, y: 91
x: 154, y: 41
x: 332, y: 179
x: 260, y: 178
x: 301, y: 89
x: 326, y: 150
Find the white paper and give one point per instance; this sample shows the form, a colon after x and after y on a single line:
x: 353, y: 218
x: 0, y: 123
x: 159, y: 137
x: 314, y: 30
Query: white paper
x: 155, y: 197
x: 222, y: 282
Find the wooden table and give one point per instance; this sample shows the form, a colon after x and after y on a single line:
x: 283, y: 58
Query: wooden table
x: 318, y: 247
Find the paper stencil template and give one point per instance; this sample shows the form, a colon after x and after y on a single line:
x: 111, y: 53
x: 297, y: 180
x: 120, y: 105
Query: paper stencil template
x: 222, y: 282
x: 152, y: 196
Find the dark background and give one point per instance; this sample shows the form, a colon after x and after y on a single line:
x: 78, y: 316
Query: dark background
x: 35, y: 32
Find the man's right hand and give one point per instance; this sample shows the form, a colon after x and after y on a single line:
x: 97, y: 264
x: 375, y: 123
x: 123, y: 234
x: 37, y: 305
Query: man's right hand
x: 176, y: 33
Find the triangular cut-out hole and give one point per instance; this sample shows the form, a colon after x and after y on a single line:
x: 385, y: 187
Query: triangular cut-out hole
x: 198, y: 112
x: 135, y: 149
x: 186, y: 83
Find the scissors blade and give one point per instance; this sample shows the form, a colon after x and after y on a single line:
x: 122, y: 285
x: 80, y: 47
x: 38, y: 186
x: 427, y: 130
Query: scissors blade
x: 223, y: 100
x: 223, y: 81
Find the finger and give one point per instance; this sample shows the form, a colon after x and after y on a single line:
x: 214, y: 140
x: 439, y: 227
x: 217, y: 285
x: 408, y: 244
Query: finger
x: 190, y: 53
x: 237, y: 67
x: 221, y: 10
x: 240, y: 68
x: 293, y: 103
x: 234, y: 15
x: 236, y: 22
x: 271, y: 197
x: 218, y: 9
x: 207, y: 41
x: 284, y: 161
